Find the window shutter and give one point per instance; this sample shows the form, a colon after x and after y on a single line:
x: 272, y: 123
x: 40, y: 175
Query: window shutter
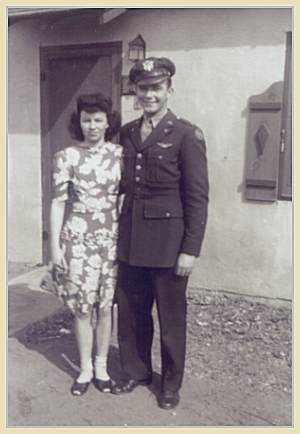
x: 263, y: 142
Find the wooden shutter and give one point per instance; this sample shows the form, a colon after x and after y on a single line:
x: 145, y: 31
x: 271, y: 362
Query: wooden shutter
x: 263, y: 143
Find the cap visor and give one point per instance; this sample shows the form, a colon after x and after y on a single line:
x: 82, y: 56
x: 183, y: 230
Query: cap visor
x: 152, y: 80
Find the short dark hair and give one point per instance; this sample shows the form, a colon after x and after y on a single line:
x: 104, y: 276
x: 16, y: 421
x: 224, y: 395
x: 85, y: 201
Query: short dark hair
x: 92, y: 103
x: 169, y: 80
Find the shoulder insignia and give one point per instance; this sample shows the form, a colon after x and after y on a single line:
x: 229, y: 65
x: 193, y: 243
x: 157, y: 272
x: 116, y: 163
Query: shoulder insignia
x: 199, y: 134
x: 197, y: 131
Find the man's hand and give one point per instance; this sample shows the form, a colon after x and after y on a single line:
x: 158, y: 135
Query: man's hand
x: 184, y: 264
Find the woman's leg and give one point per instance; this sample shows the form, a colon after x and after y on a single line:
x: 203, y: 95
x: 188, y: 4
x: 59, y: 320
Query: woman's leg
x: 107, y: 285
x: 84, y: 337
x: 103, y: 336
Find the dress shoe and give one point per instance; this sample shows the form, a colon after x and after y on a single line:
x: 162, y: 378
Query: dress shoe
x: 130, y: 385
x: 79, y: 389
x: 168, y: 400
x: 108, y: 386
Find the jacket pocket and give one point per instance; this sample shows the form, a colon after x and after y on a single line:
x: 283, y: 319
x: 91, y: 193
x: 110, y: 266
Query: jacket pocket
x: 158, y: 211
x: 162, y: 165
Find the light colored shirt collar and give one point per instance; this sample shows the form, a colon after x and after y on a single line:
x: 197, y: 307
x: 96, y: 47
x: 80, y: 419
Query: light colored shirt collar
x: 156, y: 118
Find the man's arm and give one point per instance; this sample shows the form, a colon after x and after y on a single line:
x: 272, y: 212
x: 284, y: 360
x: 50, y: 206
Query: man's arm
x: 195, y: 188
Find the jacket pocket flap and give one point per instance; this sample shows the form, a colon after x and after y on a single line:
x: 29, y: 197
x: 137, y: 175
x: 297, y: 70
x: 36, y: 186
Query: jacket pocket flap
x: 157, y: 211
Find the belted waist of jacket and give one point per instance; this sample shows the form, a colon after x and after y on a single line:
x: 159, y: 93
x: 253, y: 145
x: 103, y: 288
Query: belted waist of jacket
x: 146, y: 192
x: 157, y: 203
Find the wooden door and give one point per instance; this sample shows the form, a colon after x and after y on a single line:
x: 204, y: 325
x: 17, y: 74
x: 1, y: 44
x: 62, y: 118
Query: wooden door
x: 67, y: 72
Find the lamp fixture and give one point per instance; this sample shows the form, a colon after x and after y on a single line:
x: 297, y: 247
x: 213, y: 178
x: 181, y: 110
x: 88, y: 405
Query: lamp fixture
x: 136, y: 49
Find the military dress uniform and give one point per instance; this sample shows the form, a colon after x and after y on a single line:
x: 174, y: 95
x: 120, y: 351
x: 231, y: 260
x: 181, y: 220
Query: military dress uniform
x: 164, y: 214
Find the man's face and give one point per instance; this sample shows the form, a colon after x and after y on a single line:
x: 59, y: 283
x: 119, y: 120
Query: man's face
x: 153, y: 97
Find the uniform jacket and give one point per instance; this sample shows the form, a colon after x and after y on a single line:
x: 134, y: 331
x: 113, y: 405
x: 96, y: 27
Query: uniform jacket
x: 165, y: 182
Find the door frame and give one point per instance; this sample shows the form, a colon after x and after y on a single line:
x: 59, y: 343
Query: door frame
x: 48, y: 53
x: 286, y: 151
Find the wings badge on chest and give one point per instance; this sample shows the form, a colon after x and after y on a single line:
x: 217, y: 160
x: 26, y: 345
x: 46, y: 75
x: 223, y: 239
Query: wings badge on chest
x: 164, y: 145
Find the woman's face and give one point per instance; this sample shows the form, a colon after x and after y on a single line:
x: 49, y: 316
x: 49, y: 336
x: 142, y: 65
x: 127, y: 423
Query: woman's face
x: 93, y: 126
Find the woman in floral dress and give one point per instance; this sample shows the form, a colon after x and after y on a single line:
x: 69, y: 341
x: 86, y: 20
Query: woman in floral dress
x: 84, y: 246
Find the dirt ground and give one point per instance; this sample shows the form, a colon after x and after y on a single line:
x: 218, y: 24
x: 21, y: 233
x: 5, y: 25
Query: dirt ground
x: 238, y: 364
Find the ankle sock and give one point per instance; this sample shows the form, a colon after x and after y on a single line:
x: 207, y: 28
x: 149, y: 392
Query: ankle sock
x: 86, y: 372
x: 100, y: 368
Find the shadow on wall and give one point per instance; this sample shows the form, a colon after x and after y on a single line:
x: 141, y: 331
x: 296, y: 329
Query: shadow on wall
x: 164, y: 30
x: 233, y: 27
x: 173, y: 29
x: 262, y: 146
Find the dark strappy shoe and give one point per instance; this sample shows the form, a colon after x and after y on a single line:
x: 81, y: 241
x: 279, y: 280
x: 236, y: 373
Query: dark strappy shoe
x: 79, y: 389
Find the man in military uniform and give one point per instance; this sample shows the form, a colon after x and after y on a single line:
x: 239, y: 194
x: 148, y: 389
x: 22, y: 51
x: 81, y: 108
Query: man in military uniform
x: 161, y: 230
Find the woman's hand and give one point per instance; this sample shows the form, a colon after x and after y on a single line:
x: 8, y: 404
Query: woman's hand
x: 56, y: 219
x: 120, y: 202
x: 58, y: 258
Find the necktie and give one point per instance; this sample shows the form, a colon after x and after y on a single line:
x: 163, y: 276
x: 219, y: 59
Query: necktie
x: 147, y: 127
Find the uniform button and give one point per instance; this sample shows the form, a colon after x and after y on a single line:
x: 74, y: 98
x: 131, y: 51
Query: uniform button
x: 139, y: 155
x: 168, y: 214
x: 160, y: 157
x: 138, y: 167
x: 137, y: 178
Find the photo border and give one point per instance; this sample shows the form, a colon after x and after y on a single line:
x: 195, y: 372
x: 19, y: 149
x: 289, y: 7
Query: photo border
x: 3, y: 204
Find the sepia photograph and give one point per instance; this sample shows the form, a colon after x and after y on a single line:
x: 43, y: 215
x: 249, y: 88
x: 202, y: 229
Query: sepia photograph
x: 149, y: 216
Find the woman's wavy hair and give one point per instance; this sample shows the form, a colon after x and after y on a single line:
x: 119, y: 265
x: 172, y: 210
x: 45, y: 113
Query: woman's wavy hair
x: 92, y: 103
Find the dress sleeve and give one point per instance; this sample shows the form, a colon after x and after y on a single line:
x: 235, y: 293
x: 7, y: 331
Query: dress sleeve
x: 61, y: 175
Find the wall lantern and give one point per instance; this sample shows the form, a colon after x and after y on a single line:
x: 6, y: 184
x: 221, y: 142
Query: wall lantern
x: 136, y: 49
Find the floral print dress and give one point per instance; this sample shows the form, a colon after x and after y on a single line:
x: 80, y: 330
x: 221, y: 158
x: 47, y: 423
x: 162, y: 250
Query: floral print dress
x: 89, y: 177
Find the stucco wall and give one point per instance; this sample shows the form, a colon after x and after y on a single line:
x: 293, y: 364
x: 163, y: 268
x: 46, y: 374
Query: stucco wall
x: 223, y: 56
x: 24, y: 145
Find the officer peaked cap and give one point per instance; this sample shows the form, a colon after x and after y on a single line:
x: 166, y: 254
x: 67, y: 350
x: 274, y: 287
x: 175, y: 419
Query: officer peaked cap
x: 152, y: 70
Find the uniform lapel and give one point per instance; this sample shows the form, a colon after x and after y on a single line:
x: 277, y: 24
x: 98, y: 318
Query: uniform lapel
x: 163, y: 128
x: 135, y: 134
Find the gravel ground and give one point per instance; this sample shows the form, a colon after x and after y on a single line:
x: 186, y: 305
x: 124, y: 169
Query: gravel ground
x: 229, y: 338
x: 247, y: 341
x: 238, y: 347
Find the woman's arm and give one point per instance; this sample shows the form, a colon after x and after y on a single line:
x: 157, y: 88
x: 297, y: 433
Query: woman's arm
x: 56, y: 220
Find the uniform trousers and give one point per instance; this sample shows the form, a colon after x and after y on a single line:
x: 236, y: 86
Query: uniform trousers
x: 138, y: 288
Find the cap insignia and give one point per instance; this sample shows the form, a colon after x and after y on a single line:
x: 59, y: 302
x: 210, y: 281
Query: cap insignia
x: 148, y: 65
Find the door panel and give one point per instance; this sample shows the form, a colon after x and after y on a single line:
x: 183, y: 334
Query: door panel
x: 66, y: 74
x: 68, y: 78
